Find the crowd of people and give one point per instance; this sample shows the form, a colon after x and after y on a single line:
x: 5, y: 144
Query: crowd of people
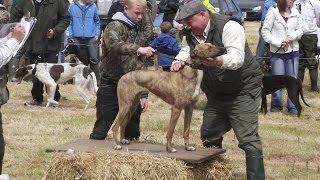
x: 231, y: 82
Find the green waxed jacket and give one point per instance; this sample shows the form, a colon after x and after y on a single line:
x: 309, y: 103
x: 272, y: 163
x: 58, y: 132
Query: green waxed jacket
x: 53, y: 14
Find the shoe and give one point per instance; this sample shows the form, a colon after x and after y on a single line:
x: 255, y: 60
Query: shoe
x: 275, y: 110
x: 293, y: 111
x: 316, y: 89
x: 33, y: 103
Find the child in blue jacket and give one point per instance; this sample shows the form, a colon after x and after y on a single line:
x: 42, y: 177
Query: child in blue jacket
x: 166, y: 45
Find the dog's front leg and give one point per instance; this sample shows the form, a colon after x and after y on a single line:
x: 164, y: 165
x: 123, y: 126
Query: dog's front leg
x: 187, y: 121
x: 121, y: 121
x: 175, y: 114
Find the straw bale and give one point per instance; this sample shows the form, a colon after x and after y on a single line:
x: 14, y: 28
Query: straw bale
x: 218, y: 168
x: 127, y: 165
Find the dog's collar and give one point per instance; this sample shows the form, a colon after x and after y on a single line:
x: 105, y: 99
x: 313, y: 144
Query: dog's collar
x: 193, y: 66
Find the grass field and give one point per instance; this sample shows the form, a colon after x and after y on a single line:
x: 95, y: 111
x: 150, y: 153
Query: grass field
x: 291, y: 144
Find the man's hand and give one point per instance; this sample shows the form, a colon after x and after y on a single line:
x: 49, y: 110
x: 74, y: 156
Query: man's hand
x: 144, y: 104
x: 18, y: 33
x: 50, y: 34
x: 216, y: 62
x: 147, y: 51
x: 177, y: 66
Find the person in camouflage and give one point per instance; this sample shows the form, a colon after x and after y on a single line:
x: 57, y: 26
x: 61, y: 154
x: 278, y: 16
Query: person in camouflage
x: 122, y: 51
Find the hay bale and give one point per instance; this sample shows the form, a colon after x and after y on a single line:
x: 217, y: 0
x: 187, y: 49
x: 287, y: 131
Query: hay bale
x: 115, y: 165
x: 218, y: 168
x: 128, y: 165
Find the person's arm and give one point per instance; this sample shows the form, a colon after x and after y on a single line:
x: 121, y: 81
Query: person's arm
x: 8, y: 49
x: 97, y: 22
x: 182, y: 56
x: 147, y: 26
x: 63, y: 17
x: 16, y: 12
x: 296, y: 35
x: 113, y: 42
x: 267, y: 27
x: 233, y: 39
x: 70, y: 29
x: 317, y: 12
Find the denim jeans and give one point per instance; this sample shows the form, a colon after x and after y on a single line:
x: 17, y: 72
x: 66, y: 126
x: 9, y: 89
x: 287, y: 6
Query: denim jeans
x: 283, y: 67
x: 93, y: 48
x: 106, y: 111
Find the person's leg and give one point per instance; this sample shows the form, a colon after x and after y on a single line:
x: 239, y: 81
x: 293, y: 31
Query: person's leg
x: 311, y: 41
x: 106, y: 109
x: 243, y: 114
x: 2, y: 145
x: 291, y: 69
x: 277, y: 68
x: 61, y: 58
x: 261, y: 49
x: 214, y: 124
x: 93, y: 48
x: 12, y: 67
x: 37, y: 86
x: 302, y: 62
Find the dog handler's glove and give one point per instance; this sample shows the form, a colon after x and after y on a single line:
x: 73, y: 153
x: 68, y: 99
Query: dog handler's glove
x: 144, y: 104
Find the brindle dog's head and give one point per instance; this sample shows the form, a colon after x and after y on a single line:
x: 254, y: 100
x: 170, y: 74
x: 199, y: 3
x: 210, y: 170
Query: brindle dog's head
x: 205, y: 50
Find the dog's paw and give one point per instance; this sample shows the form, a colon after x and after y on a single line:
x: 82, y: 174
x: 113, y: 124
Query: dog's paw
x: 171, y: 150
x: 190, y: 148
x: 54, y: 105
x: 117, y: 147
x: 125, y: 141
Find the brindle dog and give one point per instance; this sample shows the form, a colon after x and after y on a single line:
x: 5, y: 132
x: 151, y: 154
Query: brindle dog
x: 178, y: 89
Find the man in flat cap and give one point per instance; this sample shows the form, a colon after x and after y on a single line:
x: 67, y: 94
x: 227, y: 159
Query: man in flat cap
x: 231, y: 82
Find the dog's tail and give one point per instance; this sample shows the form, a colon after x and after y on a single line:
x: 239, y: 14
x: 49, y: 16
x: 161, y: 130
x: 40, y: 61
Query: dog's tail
x: 93, y: 82
x: 301, y: 93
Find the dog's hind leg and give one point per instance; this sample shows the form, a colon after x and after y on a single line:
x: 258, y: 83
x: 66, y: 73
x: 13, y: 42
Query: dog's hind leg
x: 188, y: 110
x: 294, y: 97
x: 81, y: 91
x: 51, y: 90
x: 175, y: 113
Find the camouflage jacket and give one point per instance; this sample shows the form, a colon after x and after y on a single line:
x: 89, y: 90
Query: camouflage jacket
x: 120, y: 44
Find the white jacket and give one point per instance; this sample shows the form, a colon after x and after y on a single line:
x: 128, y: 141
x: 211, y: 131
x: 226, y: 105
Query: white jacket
x: 310, y: 14
x: 7, y: 49
x: 275, y: 30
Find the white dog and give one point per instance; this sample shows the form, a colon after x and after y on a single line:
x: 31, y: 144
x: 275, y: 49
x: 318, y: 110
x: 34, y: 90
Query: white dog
x: 53, y: 74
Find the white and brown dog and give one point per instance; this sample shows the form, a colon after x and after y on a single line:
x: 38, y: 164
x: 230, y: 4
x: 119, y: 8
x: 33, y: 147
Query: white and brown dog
x: 179, y: 89
x: 53, y: 74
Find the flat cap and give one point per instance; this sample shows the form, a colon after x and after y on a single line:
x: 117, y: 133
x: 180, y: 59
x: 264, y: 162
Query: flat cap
x: 190, y: 8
